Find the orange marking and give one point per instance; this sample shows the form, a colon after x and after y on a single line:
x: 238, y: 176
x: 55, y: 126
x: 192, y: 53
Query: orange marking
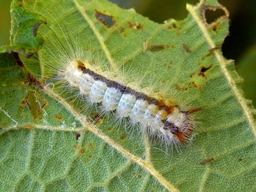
x: 163, y: 114
x: 160, y: 103
x: 180, y: 136
x: 80, y: 65
x: 170, y: 109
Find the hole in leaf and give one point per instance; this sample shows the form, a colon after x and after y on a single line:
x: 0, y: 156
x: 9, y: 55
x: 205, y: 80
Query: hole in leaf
x: 136, y: 26
x: 77, y: 136
x: 212, y: 15
x: 106, y: 20
x: 34, y: 104
x: 203, y: 70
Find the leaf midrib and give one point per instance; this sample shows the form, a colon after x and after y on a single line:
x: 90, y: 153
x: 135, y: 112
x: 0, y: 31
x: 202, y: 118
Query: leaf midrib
x: 98, y: 35
x: 222, y: 63
x: 145, y: 164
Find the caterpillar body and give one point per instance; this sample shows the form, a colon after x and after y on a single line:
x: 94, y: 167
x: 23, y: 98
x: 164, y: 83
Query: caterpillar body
x: 149, y: 110
x: 154, y: 115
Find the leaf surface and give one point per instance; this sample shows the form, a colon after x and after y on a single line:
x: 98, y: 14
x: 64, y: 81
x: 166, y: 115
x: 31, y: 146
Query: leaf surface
x: 47, y: 139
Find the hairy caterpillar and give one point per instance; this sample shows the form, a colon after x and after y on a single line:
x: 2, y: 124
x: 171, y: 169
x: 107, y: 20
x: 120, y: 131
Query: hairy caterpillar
x: 140, y: 106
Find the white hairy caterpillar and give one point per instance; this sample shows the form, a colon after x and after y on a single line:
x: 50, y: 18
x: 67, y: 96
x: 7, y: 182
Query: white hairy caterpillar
x: 149, y: 110
x: 154, y: 115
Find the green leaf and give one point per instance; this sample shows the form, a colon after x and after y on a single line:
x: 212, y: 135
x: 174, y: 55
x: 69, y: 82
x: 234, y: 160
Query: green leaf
x: 24, y: 27
x: 48, y: 143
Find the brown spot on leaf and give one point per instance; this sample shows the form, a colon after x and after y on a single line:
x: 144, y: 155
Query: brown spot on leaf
x: 97, y: 118
x: 25, y: 102
x: 193, y: 84
x: 44, y: 104
x: 191, y: 75
x: 58, y: 117
x: 204, y: 161
x: 156, y: 47
x: 122, y: 137
x: 121, y: 30
x: 76, y: 147
x: 82, y: 151
x: 214, y: 48
x: 136, y: 175
x: 172, y: 26
x: 105, y: 19
x: 182, y: 87
x: 210, y: 51
x: 145, y: 46
x: 70, y: 99
x: 135, y: 25
x: 214, y: 28
x: 186, y: 48
x: 91, y: 145
x: 33, y: 80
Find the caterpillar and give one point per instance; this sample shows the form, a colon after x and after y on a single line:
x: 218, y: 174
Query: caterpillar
x: 153, y: 113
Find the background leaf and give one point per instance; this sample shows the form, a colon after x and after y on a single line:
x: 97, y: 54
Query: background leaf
x: 51, y: 145
x: 247, y: 68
